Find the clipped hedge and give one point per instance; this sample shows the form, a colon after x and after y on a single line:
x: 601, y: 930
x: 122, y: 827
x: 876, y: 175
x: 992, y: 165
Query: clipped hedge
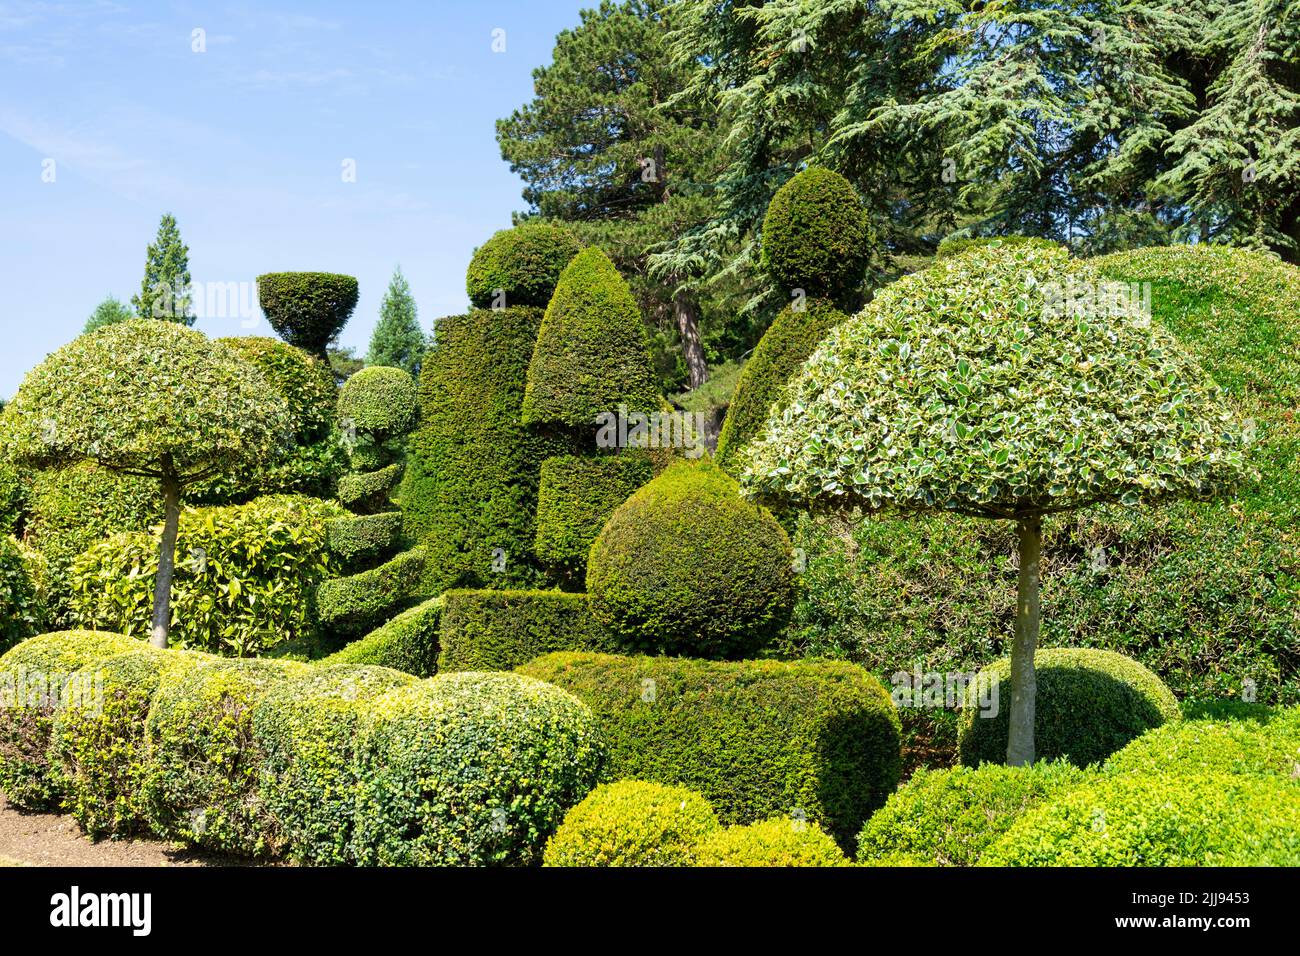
x: 522, y: 265
x: 360, y: 603
x: 407, y: 643
x: 1266, y: 743
x: 955, y: 247
x: 499, y: 630
x: 470, y: 769
x: 366, y: 492
x: 817, y: 236
x: 307, y: 309
x: 950, y: 817
x: 686, y: 566
x: 1090, y: 703
x: 379, y: 401
x: 575, y: 498
x: 633, y: 823
x: 24, y: 601
x: 357, y: 539
x: 775, y: 842
x: 757, y: 738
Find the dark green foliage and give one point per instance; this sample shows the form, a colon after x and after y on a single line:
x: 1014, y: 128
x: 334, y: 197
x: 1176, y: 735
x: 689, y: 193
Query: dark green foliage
x: 24, y: 600
x: 819, y: 740
x: 955, y: 247
x: 360, y: 603
x: 520, y: 266
x: 369, y: 491
x: 358, y: 539
x: 575, y: 498
x: 108, y: 312
x: 165, y: 289
x: 499, y: 630
x: 791, y: 338
x: 307, y: 309
x: 817, y: 236
x: 471, y: 480
x: 592, y: 355
x: 380, y: 402
x: 950, y: 817
x: 1090, y: 703
x: 304, y: 732
x: 470, y: 769
x: 1262, y: 741
x: 407, y: 643
x: 685, y: 566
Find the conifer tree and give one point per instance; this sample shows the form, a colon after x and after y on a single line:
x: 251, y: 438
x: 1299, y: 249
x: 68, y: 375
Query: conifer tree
x: 397, y: 340
x: 165, y: 290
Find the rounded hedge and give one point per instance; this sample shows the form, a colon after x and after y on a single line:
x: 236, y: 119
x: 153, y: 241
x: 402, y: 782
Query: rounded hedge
x: 817, y: 236
x: 470, y: 769
x: 633, y: 823
x: 950, y: 817
x: 955, y: 247
x: 575, y: 497
x: 303, y: 380
x: 380, y: 401
x: 1265, y: 744
x: 775, y: 842
x: 522, y: 264
x: 687, y: 567
x: 1090, y: 703
x: 307, y: 309
x: 1164, y: 820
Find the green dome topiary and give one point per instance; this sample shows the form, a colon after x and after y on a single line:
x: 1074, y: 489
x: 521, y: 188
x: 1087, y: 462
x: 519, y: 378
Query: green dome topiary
x: 776, y: 842
x: 687, y: 567
x: 303, y: 380
x: 816, y: 236
x: 592, y: 354
x: 633, y: 823
x: 1090, y: 704
x: 379, y: 401
x: 521, y: 264
x: 307, y: 309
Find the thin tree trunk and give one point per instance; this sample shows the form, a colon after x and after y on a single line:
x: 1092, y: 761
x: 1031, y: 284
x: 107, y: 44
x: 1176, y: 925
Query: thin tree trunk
x: 162, y: 588
x: 1024, y: 683
x: 688, y: 327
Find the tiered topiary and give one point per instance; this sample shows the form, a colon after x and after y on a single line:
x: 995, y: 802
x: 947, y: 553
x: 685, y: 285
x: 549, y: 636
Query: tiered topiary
x: 377, y: 407
x: 633, y: 823
x: 307, y: 309
x: 519, y: 266
x: 407, y: 643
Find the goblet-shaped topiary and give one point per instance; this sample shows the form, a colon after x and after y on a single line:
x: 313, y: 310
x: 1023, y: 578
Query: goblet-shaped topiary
x: 307, y: 309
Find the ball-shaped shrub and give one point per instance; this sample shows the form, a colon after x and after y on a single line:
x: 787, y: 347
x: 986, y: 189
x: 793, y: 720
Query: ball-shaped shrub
x: 307, y: 309
x: 633, y: 823
x: 950, y: 817
x: 686, y: 567
x: 470, y: 769
x: 380, y: 401
x: 521, y: 265
x: 1164, y: 820
x: 1266, y: 743
x: 816, y: 236
x: 776, y: 842
x: 1090, y: 703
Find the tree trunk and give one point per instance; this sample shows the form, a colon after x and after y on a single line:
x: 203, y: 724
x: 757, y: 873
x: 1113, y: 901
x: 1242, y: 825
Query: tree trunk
x: 162, y: 588
x: 1024, y: 683
x: 688, y: 327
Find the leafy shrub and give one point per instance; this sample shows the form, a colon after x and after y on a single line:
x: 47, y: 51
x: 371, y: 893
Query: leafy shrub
x: 955, y: 247
x: 1266, y: 743
x: 244, y: 583
x: 13, y: 500
x: 201, y: 781
x: 23, y: 598
x: 355, y: 539
x: 307, y: 309
x: 817, y: 236
x: 304, y: 731
x: 499, y: 630
x: 775, y: 842
x: 470, y: 769
x: 633, y: 823
x: 360, y: 603
x: 592, y: 355
x: 1090, y: 703
x: 368, y: 492
x: 685, y: 566
x: 757, y: 738
x: 32, y: 680
x: 575, y: 498
x: 407, y: 643
x: 379, y: 401
x: 1165, y: 820
x: 950, y: 817
x: 790, y: 339
x: 522, y: 263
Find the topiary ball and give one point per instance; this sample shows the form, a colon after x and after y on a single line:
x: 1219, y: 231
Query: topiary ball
x: 776, y: 842
x: 633, y: 823
x: 816, y: 236
x: 380, y: 401
x: 521, y: 264
x: 687, y: 567
x: 307, y: 309
x: 1090, y: 703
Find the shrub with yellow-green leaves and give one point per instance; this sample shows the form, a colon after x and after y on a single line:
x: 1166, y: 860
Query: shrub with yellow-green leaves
x: 780, y: 841
x: 633, y: 823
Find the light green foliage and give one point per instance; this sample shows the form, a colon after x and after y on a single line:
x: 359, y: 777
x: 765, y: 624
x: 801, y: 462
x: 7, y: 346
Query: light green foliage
x: 633, y: 823
x: 817, y: 237
x: 24, y: 599
x: 498, y: 630
x: 779, y: 841
x: 575, y: 497
x: 519, y: 266
x: 407, y: 643
x: 360, y: 603
x: 307, y: 309
x: 397, y: 339
x: 15, y: 498
x: 1264, y: 742
x: 165, y: 289
x: 108, y: 312
x: 380, y: 402
x: 955, y: 247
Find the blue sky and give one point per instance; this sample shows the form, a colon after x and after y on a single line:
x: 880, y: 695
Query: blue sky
x: 245, y: 144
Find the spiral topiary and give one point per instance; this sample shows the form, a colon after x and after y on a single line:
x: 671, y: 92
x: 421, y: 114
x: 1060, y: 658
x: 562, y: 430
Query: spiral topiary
x: 816, y: 236
x: 519, y: 266
x: 379, y: 401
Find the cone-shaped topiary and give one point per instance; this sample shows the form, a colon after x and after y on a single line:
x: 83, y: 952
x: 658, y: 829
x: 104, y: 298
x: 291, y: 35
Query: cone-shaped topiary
x: 307, y: 309
x: 592, y: 354
x: 380, y: 402
x: 816, y: 236
x: 519, y: 266
x: 687, y: 567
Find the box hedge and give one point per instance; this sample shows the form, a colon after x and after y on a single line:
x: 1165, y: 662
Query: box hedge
x: 370, y: 491
x: 360, y: 603
x: 575, y: 497
x: 380, y: 402
x: 817, y: 236
x: 633, y: 823
x: 780, y: 841
x: 756, y: 738
x: 1266, y: 743
x: 407, y: 643
x: 499, y: 630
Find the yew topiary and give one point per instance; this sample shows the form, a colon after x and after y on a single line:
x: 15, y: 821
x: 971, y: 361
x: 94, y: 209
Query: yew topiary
x: 816, y: 236
x: 307, y: 309
x: 380, y: 402
x: 519, y: 266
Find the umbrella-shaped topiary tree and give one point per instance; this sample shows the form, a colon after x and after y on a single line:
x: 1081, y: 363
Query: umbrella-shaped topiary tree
x: 151, y: 399
x: 1008, y: 383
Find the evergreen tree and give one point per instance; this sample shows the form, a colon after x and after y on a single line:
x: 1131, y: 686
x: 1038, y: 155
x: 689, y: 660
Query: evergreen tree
x: 397, y: 339
x: 165, y: 289
x: 108, y: 312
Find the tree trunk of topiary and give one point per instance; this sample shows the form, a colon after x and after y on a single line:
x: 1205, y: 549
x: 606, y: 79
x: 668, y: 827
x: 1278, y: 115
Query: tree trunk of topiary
x: 1024, y: 684
x: 688, y: 327
x: 162, y: 588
